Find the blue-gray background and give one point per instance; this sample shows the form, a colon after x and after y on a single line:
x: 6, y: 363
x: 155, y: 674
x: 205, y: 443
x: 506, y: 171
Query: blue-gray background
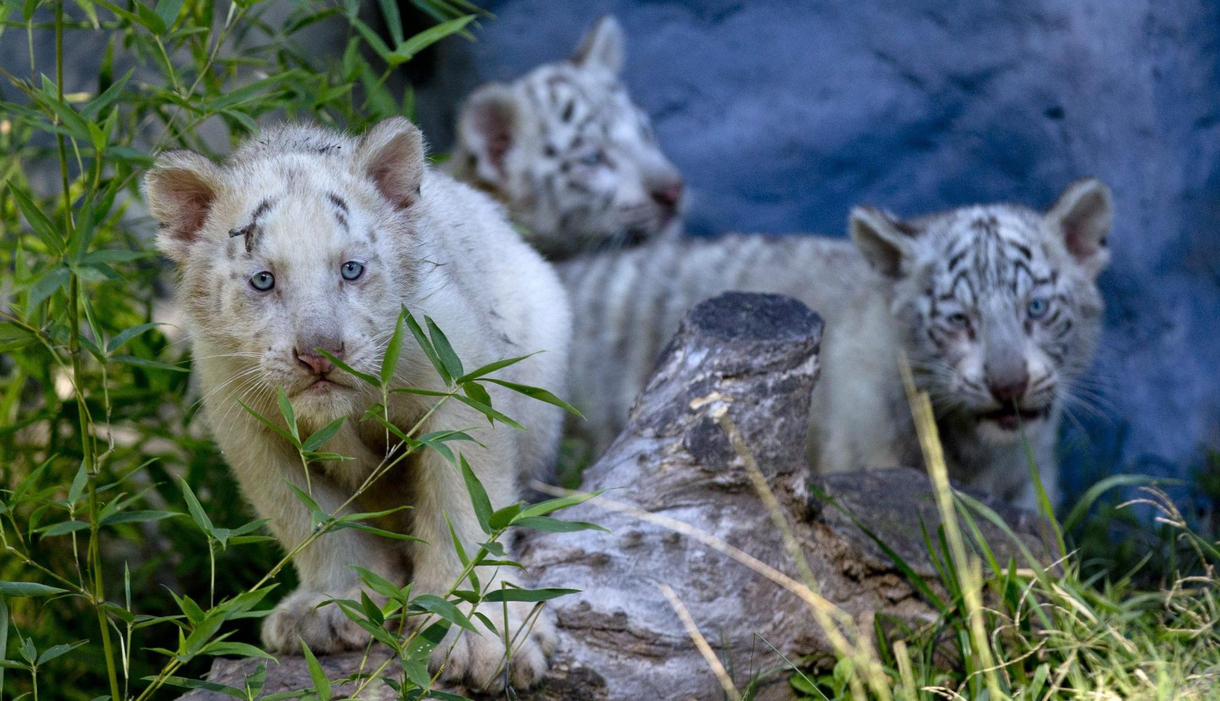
x: 782, y: 115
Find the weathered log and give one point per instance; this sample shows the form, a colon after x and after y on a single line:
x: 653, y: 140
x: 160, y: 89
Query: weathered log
x: 752, y: 358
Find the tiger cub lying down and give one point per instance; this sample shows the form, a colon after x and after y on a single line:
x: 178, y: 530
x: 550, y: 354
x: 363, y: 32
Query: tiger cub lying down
x: 306, y: 238
x: 996, y: 308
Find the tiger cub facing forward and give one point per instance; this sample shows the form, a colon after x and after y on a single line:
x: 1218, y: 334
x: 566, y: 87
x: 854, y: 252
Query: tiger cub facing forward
x: 573, y: 159
x: 996, y: 308
x: 307, y: 239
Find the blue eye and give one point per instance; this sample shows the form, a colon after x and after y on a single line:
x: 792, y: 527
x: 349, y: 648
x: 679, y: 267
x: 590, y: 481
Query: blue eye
x: 1038, y: 306
x: 593, y: 158
x: 352, y: 270
x: 262, y: 281
x: 958, y: 320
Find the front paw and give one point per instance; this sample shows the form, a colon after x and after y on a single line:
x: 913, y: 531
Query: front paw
x: 325, y: 630
x: 479, y: 661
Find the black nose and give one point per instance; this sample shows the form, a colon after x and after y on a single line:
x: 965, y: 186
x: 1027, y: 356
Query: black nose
x: 668, y: 195
x: 1009, y: 389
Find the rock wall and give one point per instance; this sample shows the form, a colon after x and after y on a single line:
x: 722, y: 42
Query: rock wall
x: 784, y: 114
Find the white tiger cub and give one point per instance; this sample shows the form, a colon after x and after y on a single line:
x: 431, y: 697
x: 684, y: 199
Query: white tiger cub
x: 576, y: 163
x: 995, y: 306
x: 306, y: 238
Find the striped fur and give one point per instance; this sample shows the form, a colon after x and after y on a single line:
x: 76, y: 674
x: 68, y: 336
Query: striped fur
x: 900, y: 288
x: 571, y: 156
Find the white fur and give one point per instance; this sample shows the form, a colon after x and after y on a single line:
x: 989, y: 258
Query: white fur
x: 629, y: 303
x: 567, y: 151
x: 427, y: 242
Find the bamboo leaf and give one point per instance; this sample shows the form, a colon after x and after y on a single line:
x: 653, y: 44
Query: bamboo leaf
x: 426, y: 345
x: 321, y: 685
x: 453, y: 365
x: 514, y: 594
x: 390, y: 362
x: 478, y: 496
x: 14, y: 590
x: 322, y: 435
x: 538, y: 393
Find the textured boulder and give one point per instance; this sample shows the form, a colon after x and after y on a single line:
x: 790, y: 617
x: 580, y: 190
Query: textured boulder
x: 751, y: 359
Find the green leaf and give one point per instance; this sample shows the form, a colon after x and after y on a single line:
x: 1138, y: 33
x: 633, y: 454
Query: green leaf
x: 322, y: 435
x: 38, y: 221
x: 58, y: 650
x: 447, y: 610
x: 348, y: 368
x: 376, y: 582
x: 266, y: 422
x: 409, y: 48
x: 97, y: 105
x: 543, y: 508
x: 306, y: 499
x: 426, y: 346
x: 137, y: 517
x: 240, y: 649
x: 492, y: 367
x: 538, y: 393
x: 185, y: 683
x: 491, y: 414
x: 290, y: 417
x: 389, y: 363
x: 453, y: 365
x: 13, y: 590
x: 504, y: 517
x: 478, y: 496
x: 144, y: 363
x: 168, y: 11
x: 127, y: 334
x: 62, y: 528
x: 514, y: 594
x: 378, y: 531
x: 554, y: 525
x: 198, y: 515
x: 393, y: 20
x: 321, y: 685
x: 370, y: 609
x: 78, y: 485
x: 114, y: 255
x: 256, y: 680
x: 47, y: 284
x: 476, y: 392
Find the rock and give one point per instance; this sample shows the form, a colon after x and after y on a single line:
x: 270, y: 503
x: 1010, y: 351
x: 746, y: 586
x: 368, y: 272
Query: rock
x: 752, y: 359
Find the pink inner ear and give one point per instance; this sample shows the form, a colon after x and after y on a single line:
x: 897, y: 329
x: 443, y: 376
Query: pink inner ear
x: 493, y: 122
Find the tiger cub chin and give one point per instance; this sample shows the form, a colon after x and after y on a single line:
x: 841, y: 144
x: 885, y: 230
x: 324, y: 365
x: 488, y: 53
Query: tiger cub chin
x: 308, y: 239
x: 996, y: 308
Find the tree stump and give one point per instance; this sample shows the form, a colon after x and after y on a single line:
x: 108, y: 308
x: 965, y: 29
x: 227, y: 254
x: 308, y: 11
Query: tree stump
x: 754, y: 358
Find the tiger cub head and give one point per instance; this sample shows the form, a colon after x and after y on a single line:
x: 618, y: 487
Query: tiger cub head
x: 999, y: 303
x: 575, y: 161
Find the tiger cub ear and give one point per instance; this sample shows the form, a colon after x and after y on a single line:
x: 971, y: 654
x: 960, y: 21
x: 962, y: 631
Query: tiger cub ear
x: 391, y: 154
x: 180, y: 189
x: 885, y: 241
x: 602, y: 46
x: 488, y: 129
x: 1082, y: 216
